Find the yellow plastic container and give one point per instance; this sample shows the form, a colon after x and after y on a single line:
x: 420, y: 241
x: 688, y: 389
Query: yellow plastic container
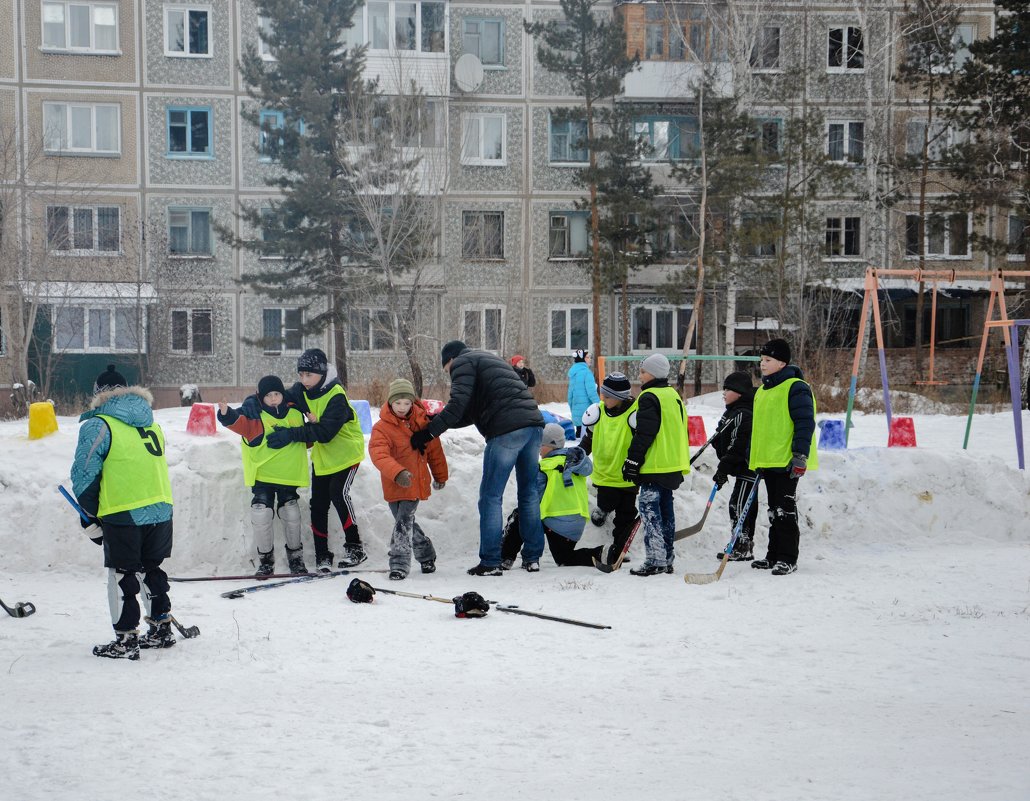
x: 42, y: 420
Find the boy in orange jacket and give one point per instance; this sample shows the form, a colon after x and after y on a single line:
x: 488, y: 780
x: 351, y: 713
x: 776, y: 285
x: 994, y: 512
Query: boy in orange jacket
x: 405, y: 473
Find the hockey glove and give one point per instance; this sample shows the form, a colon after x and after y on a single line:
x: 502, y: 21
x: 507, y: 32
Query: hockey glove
x: 630, y: 470
x: 95, y: 533
x: 403, y: 479
x: 720, y: 478
x: 360, y: 592
x: 798, y: 465
x: 280, y: 438
x: 471, y: 604
x: 420, y: 439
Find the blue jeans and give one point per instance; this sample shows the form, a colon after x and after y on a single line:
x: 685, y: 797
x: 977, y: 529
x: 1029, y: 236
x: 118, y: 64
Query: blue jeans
x: 659, y: 524
x: 519, y: 449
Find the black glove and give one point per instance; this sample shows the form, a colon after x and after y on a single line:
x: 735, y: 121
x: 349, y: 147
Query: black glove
x: 280, y: 438
x: 471, y: 604
x: 420, y: 439
x: 630, y: 470
x: 798, y: 465
x: 720, y: 478
x: 360, y: 592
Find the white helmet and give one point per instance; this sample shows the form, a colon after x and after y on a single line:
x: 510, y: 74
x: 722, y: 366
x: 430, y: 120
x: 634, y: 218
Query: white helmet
x: 632, y: 421
x: 591, y: 416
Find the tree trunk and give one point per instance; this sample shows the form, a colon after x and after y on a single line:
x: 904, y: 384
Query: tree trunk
x: 339, y: 336
x: 595, y: 249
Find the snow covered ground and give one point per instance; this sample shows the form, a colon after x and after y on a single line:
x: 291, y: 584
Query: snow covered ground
x: 893, y: 665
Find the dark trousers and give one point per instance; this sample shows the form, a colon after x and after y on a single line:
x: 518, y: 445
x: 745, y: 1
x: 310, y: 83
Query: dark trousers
x: 333, y: 489
x: 741, y: 489
x: 132, y: 553
x: 784, y: 534
x: 622, y: 501
x: 563, y: 550
x: 266, y: 494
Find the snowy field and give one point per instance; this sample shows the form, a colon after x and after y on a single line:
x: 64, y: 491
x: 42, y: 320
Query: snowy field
x: 892, y: 665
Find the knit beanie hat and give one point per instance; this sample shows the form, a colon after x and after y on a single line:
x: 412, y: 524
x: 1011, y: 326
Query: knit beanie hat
x: 777, y: 349
x: 616, y: 385
x: 581, y: 355
x: 270, y: 383
x: 516, y: 359
x: 450, y: 350
x: 739, y: 382
x: 400, y: 388
x: 313, y: 360
x: 109, y: 379
x: 554, y: 435
x: 657, y: 364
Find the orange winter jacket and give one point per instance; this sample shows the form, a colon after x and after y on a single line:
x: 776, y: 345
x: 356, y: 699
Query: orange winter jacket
x: 391, y: 452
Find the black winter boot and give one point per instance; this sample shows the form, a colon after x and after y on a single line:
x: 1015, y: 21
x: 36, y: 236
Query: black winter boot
x: 324, y: 562
x: 353, y: 555
x: 125, y: 645
x: 159, y: 635
x: 267, y: 566
x: 295, y: 559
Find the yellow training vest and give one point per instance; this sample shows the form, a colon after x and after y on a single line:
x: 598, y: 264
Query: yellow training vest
x: 772, y: 430
x: 611, y: 440
x: 287, y: 466
x: 347, y: 448
x: 135, y: 472
x: 669, y: 453
x: 559, y: 500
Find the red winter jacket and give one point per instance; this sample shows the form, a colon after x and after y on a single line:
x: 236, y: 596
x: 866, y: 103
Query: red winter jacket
x: 391, y: 452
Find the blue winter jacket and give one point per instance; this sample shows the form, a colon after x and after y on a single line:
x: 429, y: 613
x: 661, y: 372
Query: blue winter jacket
x: 582, y: 391
x: 576, y: 462
x: 130, y: 405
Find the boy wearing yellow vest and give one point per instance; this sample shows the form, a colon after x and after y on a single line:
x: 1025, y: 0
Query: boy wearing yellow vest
x: 783, y: 448
x: 271, y: 473
x: 564, y: 505
x: 337, y: 448
x: 657, y: 460
x: 120, y: 477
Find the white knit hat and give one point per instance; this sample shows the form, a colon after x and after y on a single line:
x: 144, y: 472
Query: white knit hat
x: 657, y: 364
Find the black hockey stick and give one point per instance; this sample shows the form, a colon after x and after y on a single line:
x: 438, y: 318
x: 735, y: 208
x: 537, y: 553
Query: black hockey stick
x: 710, y: 440
x: 516, y: 611
x: 21, y: 609
x: 690, y: 531
x: 606, y: 568
x: 248, y: 577
x: 709, y: 578
x: 239, y: 592
x: 189, y: 632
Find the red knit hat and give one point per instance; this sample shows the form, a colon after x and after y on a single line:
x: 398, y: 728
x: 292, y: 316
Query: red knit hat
x: 516, y: 359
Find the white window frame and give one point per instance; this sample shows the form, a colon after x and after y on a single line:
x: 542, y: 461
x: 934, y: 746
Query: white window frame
x: 472, y: 128
x: 189, y: 254
x: 361, y: 22
x: 264, y: 24
x: 845, y: 31
x: 371, y: 325
x: 843, y: 218
x: 569, y: 149
x: 960, y: 43
x: 846, y: 141
x: 480, y: 213
x: 185, y: 10
x: 569, y: 217
x: 481, y: 21
x: 64, y: 140
x: 86, y: 307
x: 268, y: 350
x: 481, y: 309
x: 569, y: 347
x: 945, y: 255
x: 951, y: 136
x: 71, y: 250
x: 68, y: 48
x: 655, y: 309
x: 190, y: 313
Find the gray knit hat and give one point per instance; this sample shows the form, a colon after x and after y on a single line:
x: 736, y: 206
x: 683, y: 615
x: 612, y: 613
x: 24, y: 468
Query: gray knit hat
x: 616, y: 385
x: 657, y: 364
x: 554, y: 435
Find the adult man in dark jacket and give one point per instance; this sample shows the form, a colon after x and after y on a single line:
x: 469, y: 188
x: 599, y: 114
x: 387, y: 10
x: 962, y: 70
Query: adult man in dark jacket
x: 487, y: 392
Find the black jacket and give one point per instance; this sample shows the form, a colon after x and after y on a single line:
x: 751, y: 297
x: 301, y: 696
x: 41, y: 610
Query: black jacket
x: 335, y: 415
x: 487, y: 392
x: 801, y: 406
x: 649, y: 422
x: 732, y: 443
x: 526, y: 375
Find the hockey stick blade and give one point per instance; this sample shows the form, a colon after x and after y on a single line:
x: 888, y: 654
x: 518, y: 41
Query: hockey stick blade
x: 21, y: 609
x: 707, y: 578
x: 189, y: 632
x: 690, y: 531
x: 604, y: 568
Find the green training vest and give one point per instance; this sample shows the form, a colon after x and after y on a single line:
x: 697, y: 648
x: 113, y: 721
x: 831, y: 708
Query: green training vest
x: 135, y: 472
x: 669, y: 453
x: 287, y: 466
x: 558, y: 499
x: 611, y: 440
x: 346, y: 448
x: 772, y: 430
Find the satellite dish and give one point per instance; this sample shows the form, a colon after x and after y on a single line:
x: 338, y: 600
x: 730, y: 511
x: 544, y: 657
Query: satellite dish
x: 468, y: 72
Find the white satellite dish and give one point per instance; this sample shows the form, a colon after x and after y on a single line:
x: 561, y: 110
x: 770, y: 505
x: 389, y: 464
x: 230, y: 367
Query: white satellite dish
x: 468, y: 72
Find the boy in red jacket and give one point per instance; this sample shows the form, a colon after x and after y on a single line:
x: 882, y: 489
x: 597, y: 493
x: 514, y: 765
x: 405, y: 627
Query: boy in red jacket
x: 405, y: 473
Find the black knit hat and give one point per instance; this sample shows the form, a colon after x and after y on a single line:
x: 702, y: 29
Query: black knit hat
x: 270, y: 383
x: 450, y: 350
x: 109, y: 379
x: 777, y: 349
x: 739, y: 382
x: 616, y: 385
x: 313, y: 360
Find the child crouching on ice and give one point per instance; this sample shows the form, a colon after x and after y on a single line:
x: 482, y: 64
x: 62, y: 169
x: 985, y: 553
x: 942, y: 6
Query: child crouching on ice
x: 405, y: 473
x: 271, y: 472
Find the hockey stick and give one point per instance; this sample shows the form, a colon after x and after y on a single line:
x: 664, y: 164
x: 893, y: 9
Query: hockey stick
x: 516, y: 611
x: 711, y: 439
x: 605, y: 568
x: 189, y: 632
x: 240, y: 591
x: 250, y: 576
x: 416, y: 595
x: 690, y: 531
x: 709, y: 578
x: 21, y: 609
x: 75, y: 504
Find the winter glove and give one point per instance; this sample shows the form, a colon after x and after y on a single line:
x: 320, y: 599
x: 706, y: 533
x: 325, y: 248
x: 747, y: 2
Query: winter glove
x: 420, y: 439
x: 93, y: 531
x: 630, y: 470
x: 403, y: 478
x: 360, y: 592
x: 471, y: 604
x: 280, y: 438
x: 798, y: 465
x: 439, y: 485
x: 720, y: 478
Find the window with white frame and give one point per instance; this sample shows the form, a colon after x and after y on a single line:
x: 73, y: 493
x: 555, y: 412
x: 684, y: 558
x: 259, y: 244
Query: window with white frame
x: 484, y: 37
x: 83, y: 230
x: 947, y: 235
x: 270, y: 137
x: 108, y: 329
x: 568, y: 141
x: 189, y: 232
x: 189, y: 132
x: 1017, y: 238
x: 568, y: 235
x: 483, y: 139
x: 372, y: 329
x: 571, y: 329
x: 81, y: 27
x: 961, y: 38
x: 406, y: 26
x: 483, y: 327
x: 265, y: 29
x: 281, y: 330
x: 659, y: 327
x: 191, y: 331
x: 187, y: 31
x: 482, y: 234
x: 766, y: 53
x: 845, y: 140
x: 82, y: 128
x: 942, y: 137
x: 667, y: 138
x: 843, y: 237
x: 424, y: 125
x: 845, y: 49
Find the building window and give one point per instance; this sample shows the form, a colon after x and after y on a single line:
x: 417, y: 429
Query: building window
x: 98, y: 328
x: 571, y: 329
x: 83, y: 230
x: 947, y: 236
x: 768, y: 137
x: 270, y: 142
x: 568, y: 141
x: 187, y: 31
x: 271, y: 235
x: 433, y: 20
x: 845, y: 141
x: 766, y: 53
x: 961, y: 38
x: 372, y: 330
x: 189, y: 132
x: 662, y: 328
x: 281, y: 330
x: 843, y: 236
x: 654, y: 41
x: 941, y: 139
x: 189, y: 232
x: 484, y: 38
x: 265, y: 29
x: 483, y: 327
x: 483, y: 139
x: 74, y: 128
x: 191, y: 331
x: 568, y: 235
x: 953, y: 324
x: 418, y: 26
x: 423, y: 126
x: 759, y: 232
x: 845, y: 49
x: 482, y: 234
x: 1017, y: 238
x: 668, y: 139
x: 85, y: 27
